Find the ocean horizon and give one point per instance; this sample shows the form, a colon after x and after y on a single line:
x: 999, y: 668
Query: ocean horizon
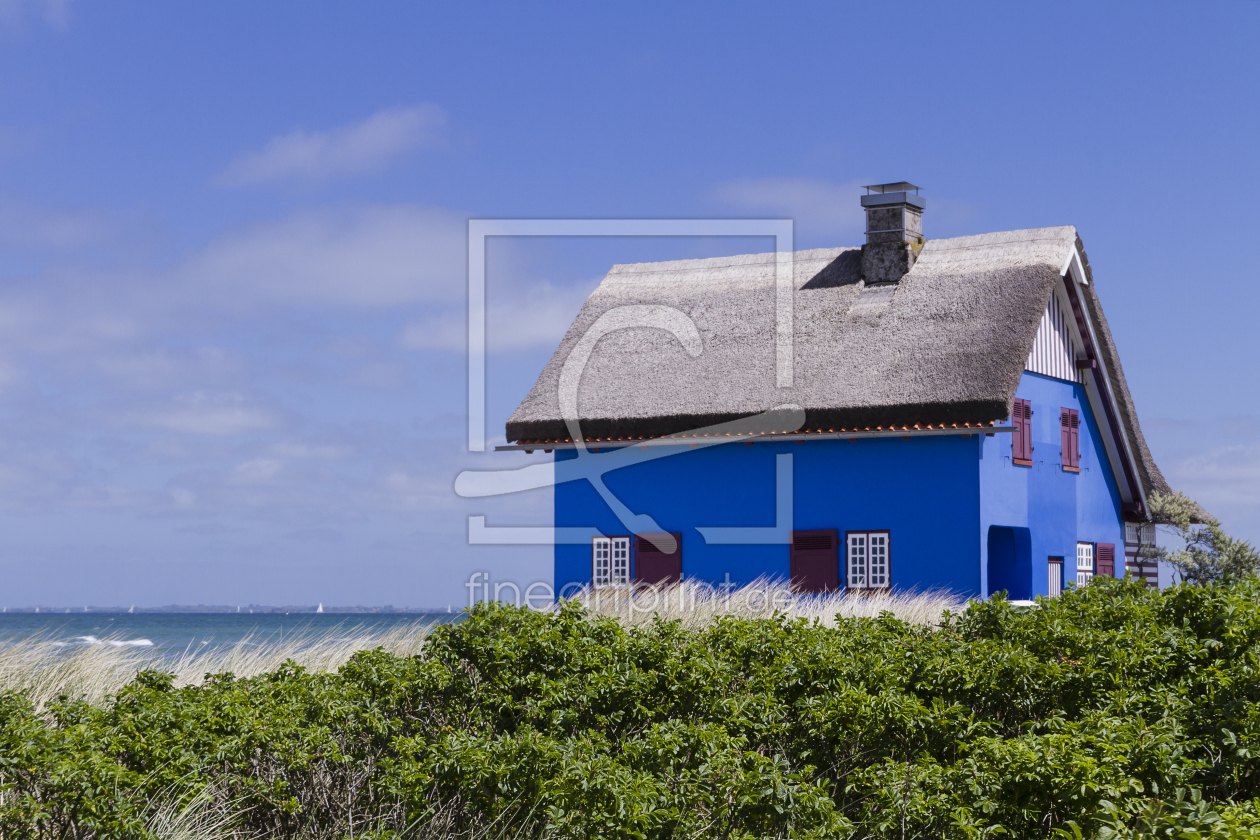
x: 167, y: 634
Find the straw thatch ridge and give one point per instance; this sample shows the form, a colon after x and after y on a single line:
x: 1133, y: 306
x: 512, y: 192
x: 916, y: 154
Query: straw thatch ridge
x: 946, y: 345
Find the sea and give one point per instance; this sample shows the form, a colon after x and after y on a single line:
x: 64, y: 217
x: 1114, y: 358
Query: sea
x: 172, y: 634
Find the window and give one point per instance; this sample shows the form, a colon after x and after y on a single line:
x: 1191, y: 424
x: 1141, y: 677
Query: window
x: 1056, y: 577
x: 610, y: 561
x: 868, y: 560
x: 1021, y: 440
x: 1084, y: 562
x: 1070, y: 438
x: 1139, y: 533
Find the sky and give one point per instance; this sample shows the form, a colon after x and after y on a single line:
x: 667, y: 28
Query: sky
x: 233, y: 237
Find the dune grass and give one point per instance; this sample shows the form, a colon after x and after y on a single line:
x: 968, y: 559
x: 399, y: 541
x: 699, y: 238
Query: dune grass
x: 43, y: 668
x: 696, y: 604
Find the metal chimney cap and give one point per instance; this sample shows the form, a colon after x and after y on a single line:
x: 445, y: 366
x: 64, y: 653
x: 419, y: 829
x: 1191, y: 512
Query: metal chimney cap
x: 900, y: 186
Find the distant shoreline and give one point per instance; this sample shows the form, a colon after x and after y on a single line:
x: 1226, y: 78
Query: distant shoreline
x: 252, y: 609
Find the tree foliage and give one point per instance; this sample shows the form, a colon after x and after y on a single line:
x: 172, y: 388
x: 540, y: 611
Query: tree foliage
x: 1208, y: 553
x: 1112, y: 711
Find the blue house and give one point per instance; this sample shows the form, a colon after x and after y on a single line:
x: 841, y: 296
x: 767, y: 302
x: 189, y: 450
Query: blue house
x: 912, y: 413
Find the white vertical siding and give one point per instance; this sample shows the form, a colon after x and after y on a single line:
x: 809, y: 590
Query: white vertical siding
x: 1053, y: 352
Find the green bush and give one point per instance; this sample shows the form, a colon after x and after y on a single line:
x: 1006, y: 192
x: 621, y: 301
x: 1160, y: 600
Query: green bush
x: 1112, y: 711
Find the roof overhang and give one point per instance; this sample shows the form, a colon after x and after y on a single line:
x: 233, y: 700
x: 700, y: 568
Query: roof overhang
x: 762, y: 437
x: 1101, y: 393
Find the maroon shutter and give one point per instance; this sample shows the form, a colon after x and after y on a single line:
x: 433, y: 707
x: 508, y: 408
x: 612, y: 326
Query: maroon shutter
x: 1017, y: 437
x: 1076, y: 437
x: 652, y: 565
x: 1028, y: 445
x: 1021, y: 443
x: 1105, y: 559
x: 814, y: 563
x: 1065, y: 437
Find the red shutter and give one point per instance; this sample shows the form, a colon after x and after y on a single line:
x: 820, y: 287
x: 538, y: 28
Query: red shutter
x: 652, y: 565
x: 1076, y: 438
x: 1017, y: 437
x: 1105, y: 559
x: 1065, y: 437
x: 1069, y: 421
x: 814, y: 563
x: 1021, y: 443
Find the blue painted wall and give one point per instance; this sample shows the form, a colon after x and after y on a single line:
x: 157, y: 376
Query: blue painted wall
x: 925, y: 491
x: 951, y: 503
x: 1057, y: 508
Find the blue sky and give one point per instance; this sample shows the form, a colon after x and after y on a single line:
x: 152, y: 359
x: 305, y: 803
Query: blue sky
x: 232, y: 245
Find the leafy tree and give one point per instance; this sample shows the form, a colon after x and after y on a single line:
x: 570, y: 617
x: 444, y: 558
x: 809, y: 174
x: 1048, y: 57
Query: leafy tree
x: 1209, y: 553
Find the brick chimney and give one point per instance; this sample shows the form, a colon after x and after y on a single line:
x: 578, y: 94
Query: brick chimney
x: 894, y: 231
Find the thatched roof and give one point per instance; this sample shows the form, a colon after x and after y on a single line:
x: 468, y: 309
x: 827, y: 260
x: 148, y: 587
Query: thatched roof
x: 945, y: 345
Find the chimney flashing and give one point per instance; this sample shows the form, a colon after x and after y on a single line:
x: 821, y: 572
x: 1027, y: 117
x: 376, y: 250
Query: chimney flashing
x: 882, y: 199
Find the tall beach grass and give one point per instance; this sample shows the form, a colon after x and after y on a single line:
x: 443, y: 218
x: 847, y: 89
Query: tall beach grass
x: 43, y: 668
x: 697, y: 604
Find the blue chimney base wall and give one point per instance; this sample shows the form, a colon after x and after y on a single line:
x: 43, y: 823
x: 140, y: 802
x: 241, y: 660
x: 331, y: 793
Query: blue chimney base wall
x: 1055, y: 508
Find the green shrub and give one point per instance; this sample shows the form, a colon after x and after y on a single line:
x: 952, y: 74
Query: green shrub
x: 1110, y: 711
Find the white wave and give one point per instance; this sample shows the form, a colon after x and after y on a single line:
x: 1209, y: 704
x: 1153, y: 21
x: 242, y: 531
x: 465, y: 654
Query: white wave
x: 92, y: 640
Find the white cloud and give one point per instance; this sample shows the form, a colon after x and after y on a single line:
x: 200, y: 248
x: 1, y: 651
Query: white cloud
x: 1228, y: 475
x: 29, y: 226
x: 537, y: 317
x: 818, y: 207
x: 290, y: 449
x: 368, y: 146
x: 256, y: 471
x: 439, y: 331
x: 204, y: 413
x: 56, y: 13
x: 166, y: 367
x: 364, y: 256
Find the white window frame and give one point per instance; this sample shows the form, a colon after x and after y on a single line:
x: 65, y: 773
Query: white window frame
x: 868, y: 560
x: 1084, y: 563
x: 1055, y: 577
x: 610, y: 562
